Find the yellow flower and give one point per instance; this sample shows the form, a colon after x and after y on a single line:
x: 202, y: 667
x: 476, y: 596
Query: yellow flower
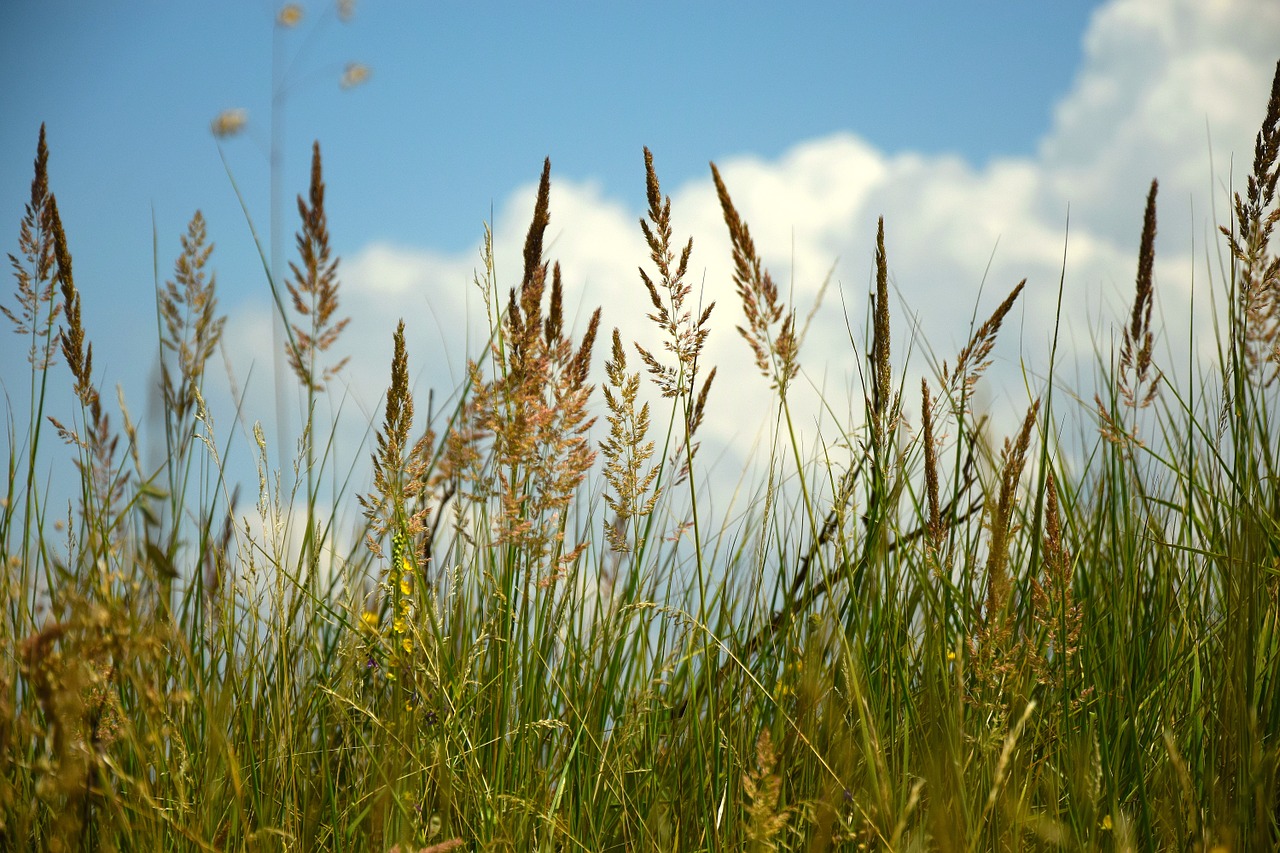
x: 1106, y: 823
x: 290, y: 16
x: 951, y: 655
x: 405, y: 587
x: 369, y: 620
x: 400, y: 626
x: 406, y: 644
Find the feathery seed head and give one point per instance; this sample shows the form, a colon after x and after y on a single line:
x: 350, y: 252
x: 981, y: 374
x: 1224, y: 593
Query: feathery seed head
x: 290, y: 15
x: 775, y: 350
x: 229, y: 122
x: 354, y: 74
x: 38, y: 305
x: 1135, y: 350
x: 313, y: 286
x: 973, y: 359
x: 880, y: 367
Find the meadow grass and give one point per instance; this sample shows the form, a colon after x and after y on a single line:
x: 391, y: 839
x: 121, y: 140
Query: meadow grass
x: 927, y: 638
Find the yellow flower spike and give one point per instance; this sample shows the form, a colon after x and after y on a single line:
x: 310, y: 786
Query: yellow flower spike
x: 406, y: 588
x: 290, y: 15
x: 400, y: 626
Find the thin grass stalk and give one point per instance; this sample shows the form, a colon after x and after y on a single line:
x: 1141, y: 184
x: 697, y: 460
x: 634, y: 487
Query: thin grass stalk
x: 776, y: 353
x: 35, y: 275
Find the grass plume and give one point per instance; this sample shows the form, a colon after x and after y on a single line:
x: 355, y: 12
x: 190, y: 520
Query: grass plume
x: 771, y: 328
x: 314, y: 289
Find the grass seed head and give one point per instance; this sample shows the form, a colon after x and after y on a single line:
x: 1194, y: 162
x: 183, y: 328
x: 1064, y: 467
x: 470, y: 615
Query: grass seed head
x: 313, y: 286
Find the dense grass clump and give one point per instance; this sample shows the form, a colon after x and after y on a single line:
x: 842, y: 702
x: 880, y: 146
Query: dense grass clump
x: 924, y: 639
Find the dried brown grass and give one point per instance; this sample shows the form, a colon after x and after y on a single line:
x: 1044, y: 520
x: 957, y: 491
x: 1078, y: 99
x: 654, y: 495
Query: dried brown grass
x: 313, y: 287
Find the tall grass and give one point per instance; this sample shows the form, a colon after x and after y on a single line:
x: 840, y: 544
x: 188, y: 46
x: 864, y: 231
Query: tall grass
x: 920, y: 643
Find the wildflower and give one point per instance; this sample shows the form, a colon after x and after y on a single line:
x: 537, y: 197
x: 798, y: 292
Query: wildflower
x: 369, y: 620
x: 1106, y: 823
x: 229, y: 123
x: 290, y: 15
x: 951, y: 654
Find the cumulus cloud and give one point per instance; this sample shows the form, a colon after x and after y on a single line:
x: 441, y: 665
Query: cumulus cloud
x: 1165, y: 88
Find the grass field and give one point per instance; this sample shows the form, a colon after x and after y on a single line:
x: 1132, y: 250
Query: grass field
x: 926, y: 637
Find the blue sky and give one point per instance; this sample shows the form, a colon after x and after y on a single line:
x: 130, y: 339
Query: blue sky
x: 465, y: 101
x: 973, y: 127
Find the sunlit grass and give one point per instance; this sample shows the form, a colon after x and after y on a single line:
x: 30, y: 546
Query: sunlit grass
x: 926, y: 637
